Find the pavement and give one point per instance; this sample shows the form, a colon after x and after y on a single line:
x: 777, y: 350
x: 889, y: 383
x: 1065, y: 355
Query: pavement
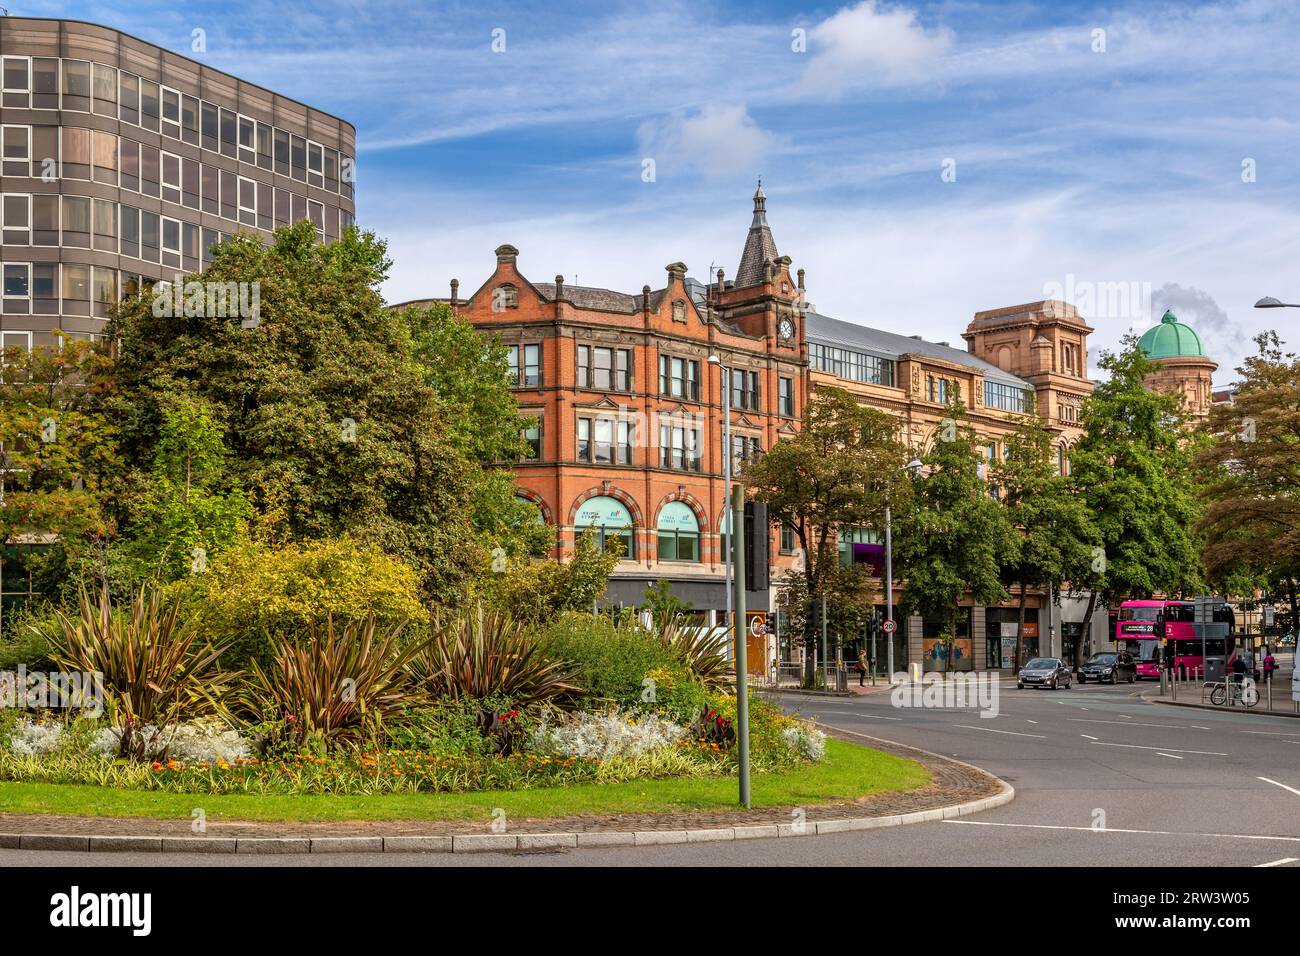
x: 1101, y: 776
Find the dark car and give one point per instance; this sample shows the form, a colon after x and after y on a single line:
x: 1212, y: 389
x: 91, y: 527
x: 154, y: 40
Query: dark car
x: 1044, y: 672
x: 1109, y: 668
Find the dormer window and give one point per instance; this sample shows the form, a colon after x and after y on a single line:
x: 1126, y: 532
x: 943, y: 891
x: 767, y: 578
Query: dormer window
x: 505, y: 297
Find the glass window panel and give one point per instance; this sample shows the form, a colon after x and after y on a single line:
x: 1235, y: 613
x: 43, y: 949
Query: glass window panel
x: 45, y: 83
x: 149, y: 105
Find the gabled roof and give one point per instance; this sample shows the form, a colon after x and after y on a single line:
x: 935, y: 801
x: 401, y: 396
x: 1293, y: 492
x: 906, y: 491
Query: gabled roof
x: 848, y: 335
x: 589, y: 297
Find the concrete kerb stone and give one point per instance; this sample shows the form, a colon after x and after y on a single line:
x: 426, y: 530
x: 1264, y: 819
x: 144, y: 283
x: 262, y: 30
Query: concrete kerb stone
x: 509, y: 842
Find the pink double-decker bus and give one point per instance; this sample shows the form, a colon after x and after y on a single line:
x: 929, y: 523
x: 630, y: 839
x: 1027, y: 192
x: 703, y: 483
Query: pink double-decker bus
x: 1141, y: 624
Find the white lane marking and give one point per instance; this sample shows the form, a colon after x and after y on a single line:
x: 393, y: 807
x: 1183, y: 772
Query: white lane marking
x: 876, y: 717
x: 1179, y: 833
x: 1013, y: 733
x: 1125, y: 716
x: 1270, y: 733
x: 1090, y: 738
x: 1282, y: 862
x: 1282, y: 785
x: 1028, y: 721
x: 1095, y: 720
x: 1161, y: 753
x: 1203, y: 753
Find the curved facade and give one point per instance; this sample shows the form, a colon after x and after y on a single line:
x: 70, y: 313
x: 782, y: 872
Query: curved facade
x: 124, y: 163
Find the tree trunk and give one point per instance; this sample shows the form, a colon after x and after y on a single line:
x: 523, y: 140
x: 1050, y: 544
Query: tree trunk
x: 1087, y: 630
x: 1295, y: 612
x: 1020, y: 628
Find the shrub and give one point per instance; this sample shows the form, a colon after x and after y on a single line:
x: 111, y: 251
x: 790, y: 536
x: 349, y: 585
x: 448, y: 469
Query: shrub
x: 483, y: 655
x: 30, y: 635
x: 254, y: 596
x: 336, y: 687
x: 703, y: 650
x: 808, y: 743
x: 152, y: 663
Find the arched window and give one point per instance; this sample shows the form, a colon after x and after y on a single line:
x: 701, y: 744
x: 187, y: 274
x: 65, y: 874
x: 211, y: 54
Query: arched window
x: 679, y: 533
x: 610, y: 519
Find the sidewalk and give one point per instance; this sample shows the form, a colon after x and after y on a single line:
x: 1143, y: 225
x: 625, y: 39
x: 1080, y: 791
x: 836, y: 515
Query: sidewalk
x: 1189, y: 695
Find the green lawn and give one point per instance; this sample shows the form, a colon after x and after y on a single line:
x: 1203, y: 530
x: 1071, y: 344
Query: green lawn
x: 847, y: 772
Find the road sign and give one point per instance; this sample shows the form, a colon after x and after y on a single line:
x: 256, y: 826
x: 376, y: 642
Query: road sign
x: 888, y: 627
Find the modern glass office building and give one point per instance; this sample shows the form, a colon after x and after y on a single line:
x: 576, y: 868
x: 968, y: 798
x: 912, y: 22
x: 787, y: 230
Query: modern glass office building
x: 122, y: 163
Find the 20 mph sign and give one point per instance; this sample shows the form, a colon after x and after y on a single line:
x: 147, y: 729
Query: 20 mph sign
x: 889, y: 627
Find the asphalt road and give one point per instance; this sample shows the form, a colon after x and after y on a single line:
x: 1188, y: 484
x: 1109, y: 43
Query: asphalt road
x: 1172, y: 786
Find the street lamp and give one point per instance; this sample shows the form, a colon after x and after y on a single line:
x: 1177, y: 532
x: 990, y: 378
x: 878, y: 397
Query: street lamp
x: 1268, y: 302
x: 914, y: 467
x: 736, y: 605
x: 725, y: 375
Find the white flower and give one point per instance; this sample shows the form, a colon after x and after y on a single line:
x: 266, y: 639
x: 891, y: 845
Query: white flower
x: 602, y: 736
x: 195, y: 742
x: 32, y: 738
x: 808, y: 742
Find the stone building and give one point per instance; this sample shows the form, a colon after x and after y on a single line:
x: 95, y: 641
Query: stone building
x: 1183, y: 367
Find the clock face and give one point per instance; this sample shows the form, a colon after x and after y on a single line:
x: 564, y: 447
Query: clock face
x: 785, y: 329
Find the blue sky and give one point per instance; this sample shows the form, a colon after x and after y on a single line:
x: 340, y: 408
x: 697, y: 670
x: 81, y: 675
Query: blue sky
x: 1137, y: 155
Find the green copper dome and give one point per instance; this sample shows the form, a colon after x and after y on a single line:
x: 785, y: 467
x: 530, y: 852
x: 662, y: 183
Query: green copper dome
x: 1171, y: 339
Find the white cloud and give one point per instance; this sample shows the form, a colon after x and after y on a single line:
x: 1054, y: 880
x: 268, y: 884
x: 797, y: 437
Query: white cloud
x: 714, y: 140
x: 870, y: 45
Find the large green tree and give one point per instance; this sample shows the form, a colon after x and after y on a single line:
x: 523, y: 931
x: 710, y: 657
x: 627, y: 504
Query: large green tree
x: 331, y: 423
x: 1251, y: 469
x: 840, y: 470
x: 956, y: 538
x: 1054, y: 534
x: 467, y: 371
x: 1131, y: 470
x: 57, y: 457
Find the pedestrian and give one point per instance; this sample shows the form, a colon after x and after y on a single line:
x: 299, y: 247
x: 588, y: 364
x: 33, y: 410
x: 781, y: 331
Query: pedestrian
x: 1270, y: 664
x: 862, y: 668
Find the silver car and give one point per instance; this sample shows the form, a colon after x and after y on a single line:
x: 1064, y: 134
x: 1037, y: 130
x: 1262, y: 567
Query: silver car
x: 1044, y: 672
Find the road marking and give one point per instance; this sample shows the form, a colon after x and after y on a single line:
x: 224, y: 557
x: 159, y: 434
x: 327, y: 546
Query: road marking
x: 1013, y: 733
x: 1203, y: 753
x: 1270, y: 733
x: 1282, y: 862
x: 1161, y: 753
x: 1028, y: 721
x: 1282, y: 785
x: 1125, y: 716
x: 876, y: 717
x: 1096, y: 720
x: 1179, y: 833
x: 1090, y: 738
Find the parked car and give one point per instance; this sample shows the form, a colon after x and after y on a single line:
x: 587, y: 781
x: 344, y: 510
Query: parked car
x: 1109, y: 667
x: 1044, y: 672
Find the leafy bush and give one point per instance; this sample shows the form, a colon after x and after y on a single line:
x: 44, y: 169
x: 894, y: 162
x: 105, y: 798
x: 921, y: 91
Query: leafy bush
x: 29, y: 637
x: 538, y: 591
x: 703, y: 650
x: 808, y: 743
x: 152, y: 663
x: 626, y: 665
x: 254, y: 596
x: 33, y: 736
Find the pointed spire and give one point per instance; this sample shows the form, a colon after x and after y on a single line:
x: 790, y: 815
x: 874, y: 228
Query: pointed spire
x: 759, y: 244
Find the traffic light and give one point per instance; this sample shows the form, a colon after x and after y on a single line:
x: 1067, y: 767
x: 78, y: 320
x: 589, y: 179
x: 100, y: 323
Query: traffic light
x: 815, y: 615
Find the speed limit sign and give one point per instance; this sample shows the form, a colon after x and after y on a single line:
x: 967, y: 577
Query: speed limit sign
x: 888, y: 627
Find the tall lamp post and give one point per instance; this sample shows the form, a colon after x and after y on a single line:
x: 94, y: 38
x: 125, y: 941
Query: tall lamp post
x: 914, y: 466
x: 724, y: 376
x: 736, y: 582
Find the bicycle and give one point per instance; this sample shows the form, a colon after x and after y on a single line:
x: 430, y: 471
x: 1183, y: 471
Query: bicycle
x: 1242, y: 693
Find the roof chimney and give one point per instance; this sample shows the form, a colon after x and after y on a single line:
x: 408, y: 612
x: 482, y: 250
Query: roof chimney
x: 455, y: 290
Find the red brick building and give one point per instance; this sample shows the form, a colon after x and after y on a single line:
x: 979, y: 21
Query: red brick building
x: 630, y: 408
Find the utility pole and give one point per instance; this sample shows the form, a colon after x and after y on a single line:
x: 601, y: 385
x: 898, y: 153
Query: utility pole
x: 740, y: 633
